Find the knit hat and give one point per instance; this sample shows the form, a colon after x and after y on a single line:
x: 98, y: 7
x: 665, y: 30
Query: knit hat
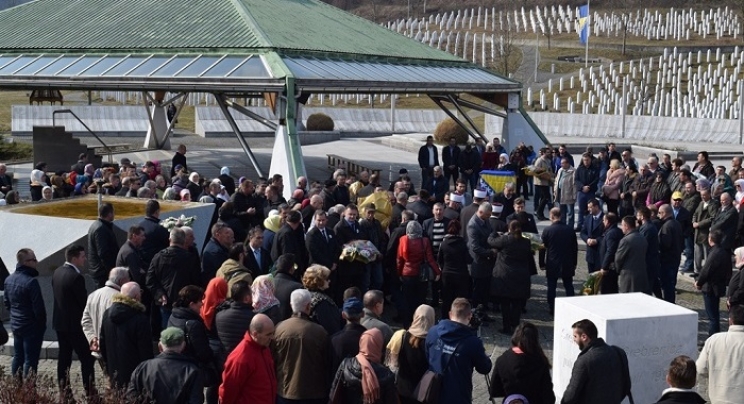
x: 353, y: 306
x: 172, y: 337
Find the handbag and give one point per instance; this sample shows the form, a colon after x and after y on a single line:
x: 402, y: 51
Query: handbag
x: 426, y: 272
x: 429, y: 387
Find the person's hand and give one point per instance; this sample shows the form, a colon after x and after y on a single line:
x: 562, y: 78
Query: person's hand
x: 695, y: 225
x: 94, y: 345
x: 164, y: 300
x: 542, y: 267
x: 634, y: 194
x: 603, y: 272
x: 697, y: 286
x: 728, y: 304
x: 622, y: 195
x: 437, y: 278
x: 251, y: 211
x: 334, y: 266
x: 585, y: 188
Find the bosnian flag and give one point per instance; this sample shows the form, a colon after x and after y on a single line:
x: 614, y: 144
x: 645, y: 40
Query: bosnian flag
x: 584, y: 23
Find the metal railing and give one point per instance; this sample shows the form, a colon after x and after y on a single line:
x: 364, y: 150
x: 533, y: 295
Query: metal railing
x: 69, y: 111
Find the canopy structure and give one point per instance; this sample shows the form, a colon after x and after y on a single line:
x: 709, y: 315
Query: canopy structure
x: 279, y: 50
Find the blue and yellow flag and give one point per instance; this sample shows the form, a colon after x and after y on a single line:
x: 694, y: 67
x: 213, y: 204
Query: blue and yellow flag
x: 584, y: 23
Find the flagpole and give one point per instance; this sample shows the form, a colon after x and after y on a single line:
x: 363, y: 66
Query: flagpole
x: 588, y: 32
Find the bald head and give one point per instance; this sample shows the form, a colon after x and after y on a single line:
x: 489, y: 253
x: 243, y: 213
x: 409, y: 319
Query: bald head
x: 261, y: 329
x: 665, y: 211
x: 131, y: 289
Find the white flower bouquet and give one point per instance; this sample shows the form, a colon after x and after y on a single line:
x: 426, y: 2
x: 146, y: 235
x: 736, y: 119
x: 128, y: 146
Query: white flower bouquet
x: 359, y: 250
x: 173, y: 222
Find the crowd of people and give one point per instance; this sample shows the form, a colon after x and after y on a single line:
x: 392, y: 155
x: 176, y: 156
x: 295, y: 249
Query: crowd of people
x: 267, y: 310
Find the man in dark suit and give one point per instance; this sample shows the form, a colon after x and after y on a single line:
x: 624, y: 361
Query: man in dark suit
x: 437, y: 185
x: 321, y: 243
x: 520, y: 214
x: 102, y: 245
x: 684, y: 217
x: 254, y: 252
x: 671, y: 244
x: 478, y: 230
x: 216, y: 251
x: 467, y: 212
x: 428, y: 158
x: 68, y: 286
x: 726, y: 221
x: 451, y: 160
x: 591, y: 232
x: 607, y: 249
x: 348, y: 229
x: 650, y: 232
x: 561, y: 250
x: 316, y: 203
x: 506, y: 200
x: 291, y: 239
x: 401, y: 200
x: 421, y: 207
x: 630, y: 259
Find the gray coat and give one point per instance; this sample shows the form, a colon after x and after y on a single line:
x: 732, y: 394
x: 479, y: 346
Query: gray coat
x: 630, y: 262
x: 478, y: 231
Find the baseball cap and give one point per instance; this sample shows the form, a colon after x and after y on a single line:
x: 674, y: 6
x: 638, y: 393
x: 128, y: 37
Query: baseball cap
x: 172, y: 336
x: 353, y: 306
x: 677, y: 195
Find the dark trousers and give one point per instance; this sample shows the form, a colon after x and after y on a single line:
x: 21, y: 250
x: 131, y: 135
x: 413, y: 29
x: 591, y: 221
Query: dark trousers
x: 453, y: 174
x: 712, y: 309
x: 523, y: 189
x: 689, y: 253
x: 426, y: 174
x: 668, y: 279
x: 453, y: 286
x: 582, y: 200
x: 542, y: 198
x: 609, y: 283
x: 553, y: 286
x: 415, y: 293
x: 511, y: 312
x: 612, y: 205
x: 481, y: 291
x: 27, y: 349
x: 74, y: 341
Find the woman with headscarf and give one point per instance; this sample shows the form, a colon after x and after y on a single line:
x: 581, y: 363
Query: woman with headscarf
x: 80, y: 189
x: 323, y: 309
x: 160, y: 186
x: 414, y: 251
x: 453, y: 259
x: 524, y: 369
x: 739, y: 197
x: 185, y: 195
x: 227, y: 180
x: 406, y: 352
x: 38, y: 181
x: 363, y: 379
x: 47, y: 193
x: 660, y: 193
x: 264, y: 300
x: 505, y: 164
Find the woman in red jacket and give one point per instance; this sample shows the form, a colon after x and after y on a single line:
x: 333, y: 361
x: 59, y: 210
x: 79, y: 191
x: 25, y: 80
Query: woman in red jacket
x: 415, y: 250
x: 249, y: 375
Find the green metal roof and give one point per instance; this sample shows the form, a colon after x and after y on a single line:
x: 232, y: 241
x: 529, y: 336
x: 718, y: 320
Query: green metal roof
x: 147, y: 26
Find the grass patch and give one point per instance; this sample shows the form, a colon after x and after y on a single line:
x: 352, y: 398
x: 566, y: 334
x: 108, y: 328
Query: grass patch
x: 15, y: 151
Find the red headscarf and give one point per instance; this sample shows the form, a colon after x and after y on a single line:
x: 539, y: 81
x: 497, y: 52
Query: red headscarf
x: 370, y: 350
x: 213, y: 296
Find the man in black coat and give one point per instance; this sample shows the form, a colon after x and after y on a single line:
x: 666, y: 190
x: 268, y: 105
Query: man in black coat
x: 130, y: 256
x: 478, y: 230
x: 285, y: 283
x: 401, y: 201
x: 70, y: 296
x: 649, y: 231
x: 255, y: 253
x: 467, y: 212
x: 248, y: 206
x: 321, y: 243
x: 421, y: 207
x: 470, y: 164
x: 102, y: 245
x: 682, y: 378
x: 179, y: 159
x: 234, y: 320
x: 217, y: 251
x: 437, y: 185
x: 597, y: 358
x: 348, y: 229
x: 671, y: 243
x: 713, y: 280
x: 506, y: 200
x: 171, y: 270
x: 451, y: 161
x: 527, y: 220
x: 591, y: 232
x: 607, y: 249
x: 561, y: 251
x: 684, y: 217
x: 587, y: 179
x: 428, y: 158
x: 291, y: 240
x: 156, y: 236
x: 125, y: 339
x: 726, y: 221
x: 345, y: 343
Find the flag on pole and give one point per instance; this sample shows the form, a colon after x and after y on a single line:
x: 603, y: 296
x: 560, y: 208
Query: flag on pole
x: 584, y: 24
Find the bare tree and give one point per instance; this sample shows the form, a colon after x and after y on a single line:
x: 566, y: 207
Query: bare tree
x: 506, y: 49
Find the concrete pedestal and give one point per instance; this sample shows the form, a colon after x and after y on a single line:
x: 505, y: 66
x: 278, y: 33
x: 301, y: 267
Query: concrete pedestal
x: 651, y: 331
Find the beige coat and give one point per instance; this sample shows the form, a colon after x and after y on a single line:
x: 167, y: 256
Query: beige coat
x: 543, y: 165
x: 567, y: 184
x: 233, y: 271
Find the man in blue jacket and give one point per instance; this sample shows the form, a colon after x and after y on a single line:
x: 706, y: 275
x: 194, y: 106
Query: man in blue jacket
x: 27, y: 313
x: 453, y: 350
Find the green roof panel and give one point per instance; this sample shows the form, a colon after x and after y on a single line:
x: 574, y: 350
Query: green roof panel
x: 205, y: 26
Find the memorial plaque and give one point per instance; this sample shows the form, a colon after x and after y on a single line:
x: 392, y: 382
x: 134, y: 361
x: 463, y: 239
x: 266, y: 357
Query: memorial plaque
x: 651, y: 331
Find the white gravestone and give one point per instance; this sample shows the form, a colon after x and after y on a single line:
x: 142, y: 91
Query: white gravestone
x: 651, y: 331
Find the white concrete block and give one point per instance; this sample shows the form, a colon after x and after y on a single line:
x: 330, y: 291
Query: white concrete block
x: 651, y: 331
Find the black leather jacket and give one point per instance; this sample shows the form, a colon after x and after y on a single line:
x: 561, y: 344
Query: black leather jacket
x: 349, y: 380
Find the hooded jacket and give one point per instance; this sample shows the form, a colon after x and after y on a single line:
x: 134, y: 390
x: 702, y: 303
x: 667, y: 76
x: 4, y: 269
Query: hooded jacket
x: 125, y: 338
x: 442, y: 341
x: 25, y: 302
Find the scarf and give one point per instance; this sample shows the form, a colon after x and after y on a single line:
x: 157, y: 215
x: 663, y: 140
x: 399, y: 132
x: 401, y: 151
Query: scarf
x: 414, y: 230
x: 423, y: 320
x: 224, y: 171
x: 370, y: 351
x: 213, y: 296
x: 262, y: 292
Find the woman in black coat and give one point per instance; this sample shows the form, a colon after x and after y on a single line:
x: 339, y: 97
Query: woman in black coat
x: 453, y: 258
x: 323, y: 309
x: 406, y: 352
x: 186, y: 316
x: 511, y: 274
x: 524, y: 369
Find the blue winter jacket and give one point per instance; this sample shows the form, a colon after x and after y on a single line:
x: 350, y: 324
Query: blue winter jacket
x: 441, y: 341
x: 24, y: 301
